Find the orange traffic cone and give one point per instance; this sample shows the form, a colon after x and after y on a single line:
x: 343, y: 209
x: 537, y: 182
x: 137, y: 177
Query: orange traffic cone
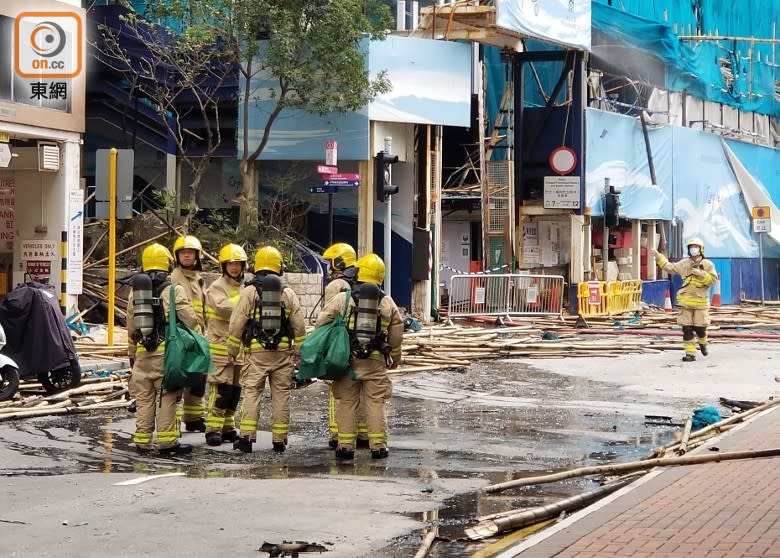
x: 716, y: 292
x: 668, y: 302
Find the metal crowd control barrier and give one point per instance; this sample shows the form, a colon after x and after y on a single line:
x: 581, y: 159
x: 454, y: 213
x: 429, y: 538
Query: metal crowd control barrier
x: 505, y: 295
x: 599, y: 298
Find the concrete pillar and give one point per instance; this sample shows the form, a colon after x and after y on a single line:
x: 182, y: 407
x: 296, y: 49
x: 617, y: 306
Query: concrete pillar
x: 652, y: 242
x: 577, y: 264
x: 636, y: 247
x: 366, y: 197
x: 421, y: 290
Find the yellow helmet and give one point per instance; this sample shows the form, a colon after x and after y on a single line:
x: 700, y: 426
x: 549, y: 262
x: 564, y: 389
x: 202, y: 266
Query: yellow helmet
x: 370, y: 269
x: 268, y: 258
x: 156, y: 257
x: 696, y: 242
x: 232, y: 253
x: 191, y: 243
x: 340, y: 256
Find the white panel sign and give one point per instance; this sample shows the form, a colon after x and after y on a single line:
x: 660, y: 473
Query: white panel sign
x: 762, y: 225
x: 566, y: 22
x: 75, y: 283
x: 561, y: 192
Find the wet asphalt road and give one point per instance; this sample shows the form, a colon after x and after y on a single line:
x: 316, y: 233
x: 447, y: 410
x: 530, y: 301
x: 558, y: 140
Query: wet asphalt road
x: 489, y: 423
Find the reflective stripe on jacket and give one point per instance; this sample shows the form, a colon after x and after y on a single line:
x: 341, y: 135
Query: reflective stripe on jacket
x: 695, y: 290
x: 184, y: 313
x: 390, y: 316
x: 193, y: 286
x: 247, y: 302
x: 221, y: 299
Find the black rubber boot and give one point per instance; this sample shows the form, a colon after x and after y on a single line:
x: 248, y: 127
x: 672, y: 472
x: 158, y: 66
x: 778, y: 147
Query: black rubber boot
x: 380, y: 453
x: 230, y: 436
x: 243, y: 444
x: 143, y: 450
x: 214, y: 438
x: 704, y: 350
x: 197, y: 425
x: 178, y: 449
x: 362, y: 443
x: 689, y: 358
x: 345, y: 454
x: 333, y: 443
x: 279, y: 447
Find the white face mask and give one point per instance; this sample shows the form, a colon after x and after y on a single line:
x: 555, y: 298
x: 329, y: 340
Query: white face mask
x: 693, y: 251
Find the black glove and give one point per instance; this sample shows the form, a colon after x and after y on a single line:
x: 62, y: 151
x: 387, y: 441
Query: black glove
x: 132, y: 362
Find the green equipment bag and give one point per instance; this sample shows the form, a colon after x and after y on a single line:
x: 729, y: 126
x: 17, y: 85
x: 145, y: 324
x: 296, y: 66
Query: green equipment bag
x: 187, y: 356
x: 326, y: 352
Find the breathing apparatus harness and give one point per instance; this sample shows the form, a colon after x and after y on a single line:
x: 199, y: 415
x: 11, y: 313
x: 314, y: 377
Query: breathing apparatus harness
x: 149, y: 314
x: 366, y: 335
x: 268, y: 322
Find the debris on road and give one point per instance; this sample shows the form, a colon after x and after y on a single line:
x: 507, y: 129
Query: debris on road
x: 292, y: 549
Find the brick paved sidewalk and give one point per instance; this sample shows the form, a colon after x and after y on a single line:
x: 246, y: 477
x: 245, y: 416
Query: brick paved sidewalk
x: 728, y: 509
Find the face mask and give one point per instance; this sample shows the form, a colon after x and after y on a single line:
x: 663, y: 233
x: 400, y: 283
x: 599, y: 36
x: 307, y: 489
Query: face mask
x: 694, y: 251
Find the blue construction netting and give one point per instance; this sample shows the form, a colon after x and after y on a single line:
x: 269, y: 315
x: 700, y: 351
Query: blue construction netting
x: 695, y: 66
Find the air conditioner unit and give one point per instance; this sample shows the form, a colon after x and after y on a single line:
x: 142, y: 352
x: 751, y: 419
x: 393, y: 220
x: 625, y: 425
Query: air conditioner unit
x: 48, y: 156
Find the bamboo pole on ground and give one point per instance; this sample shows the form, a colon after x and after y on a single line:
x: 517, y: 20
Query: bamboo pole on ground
x: 425, y: 546
x: 541, y: 513
x: 683, y: 447
x: 632, y: 466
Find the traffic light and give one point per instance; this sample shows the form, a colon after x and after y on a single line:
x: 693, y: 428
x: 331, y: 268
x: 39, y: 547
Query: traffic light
x: 383, y: 176
x: 612, y: 207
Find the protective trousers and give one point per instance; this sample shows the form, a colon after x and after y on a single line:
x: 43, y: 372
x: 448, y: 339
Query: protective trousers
x: 193, y: 407
x: 362, y: 427
x: 694, y: 321
x: 154, y: 408
x: 224, y: 394
x: 374, y: 387
x: 276, y: 367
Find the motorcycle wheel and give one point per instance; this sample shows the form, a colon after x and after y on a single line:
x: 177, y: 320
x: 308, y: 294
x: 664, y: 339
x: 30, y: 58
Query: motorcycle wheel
x: 61, y: 379
x: 9, y: 382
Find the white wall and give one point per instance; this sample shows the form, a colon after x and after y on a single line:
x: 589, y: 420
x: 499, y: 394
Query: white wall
x: 456, y: 238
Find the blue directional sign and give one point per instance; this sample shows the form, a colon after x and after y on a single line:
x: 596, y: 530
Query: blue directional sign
x: 325, y: 189
x: 341, y: 182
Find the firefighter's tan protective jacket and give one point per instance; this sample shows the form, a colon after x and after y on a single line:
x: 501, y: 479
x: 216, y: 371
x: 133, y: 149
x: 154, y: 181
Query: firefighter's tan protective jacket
x: 335, y: 287
x: 247, y: 302
x: 221, y: 300
x: 184, y: 313
x: 390, y: 317
x: 698, y: 274
x: 192, y: 282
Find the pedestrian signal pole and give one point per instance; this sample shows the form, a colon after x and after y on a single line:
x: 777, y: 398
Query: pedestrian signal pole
x: 111, y: 242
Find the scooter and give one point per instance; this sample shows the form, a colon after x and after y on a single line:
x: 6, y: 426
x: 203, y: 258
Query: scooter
x: 37, y: 339
x: 9, y: 372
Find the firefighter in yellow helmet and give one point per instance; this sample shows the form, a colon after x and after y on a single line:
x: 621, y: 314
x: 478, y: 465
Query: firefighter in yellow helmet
x: 376, y: 331
x: 269, y: 322
x: 698, y: 275
x: 187, y: 253
x: 224, y: 385
x: 341, y: 258
x: 147, y: 316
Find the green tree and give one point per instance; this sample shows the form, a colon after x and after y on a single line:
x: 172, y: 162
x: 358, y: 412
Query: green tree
x: 309, y: 55
x: 179, y: 75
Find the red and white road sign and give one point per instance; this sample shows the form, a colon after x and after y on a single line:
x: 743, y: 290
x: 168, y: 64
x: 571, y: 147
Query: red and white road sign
x: 327, y: 169
x: 344, y: 176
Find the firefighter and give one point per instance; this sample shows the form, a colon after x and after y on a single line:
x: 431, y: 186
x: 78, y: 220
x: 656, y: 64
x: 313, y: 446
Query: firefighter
x: 698, y: 275
x: 187, y: 252
x: 224, y: 385
x: 341, y: 259
x: 147, y: 317
x: 269, y: 322
x: 376, y: 332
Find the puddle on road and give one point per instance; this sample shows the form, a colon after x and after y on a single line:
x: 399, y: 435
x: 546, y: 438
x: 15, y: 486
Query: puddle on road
x: 495, y: 421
